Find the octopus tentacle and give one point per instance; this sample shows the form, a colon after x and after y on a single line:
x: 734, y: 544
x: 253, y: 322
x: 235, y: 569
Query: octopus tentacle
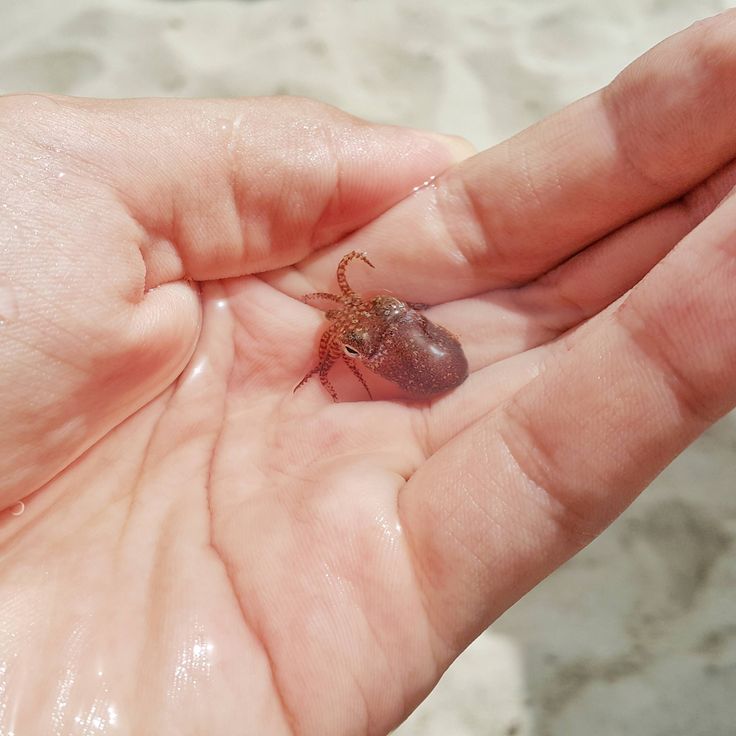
x: 342, y: 280
x: 324, y: 342
x: 306, y: 378
x: 323, y: 357
x: 324, y: 368
x: 350, y: 362
x: 322, y: 295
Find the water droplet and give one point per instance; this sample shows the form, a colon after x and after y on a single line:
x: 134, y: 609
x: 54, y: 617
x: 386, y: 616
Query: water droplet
x: 425, y: 184
x: 18, y: 509
x: 112, y: 715
x: 61, y: 175
x: 192, y: 373
x: 8, y: 303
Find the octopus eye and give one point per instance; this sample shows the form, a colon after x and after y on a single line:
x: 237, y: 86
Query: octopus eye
x: 350, y: 351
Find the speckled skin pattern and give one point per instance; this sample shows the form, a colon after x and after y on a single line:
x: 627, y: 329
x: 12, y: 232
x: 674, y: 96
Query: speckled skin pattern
x: 388, y: 336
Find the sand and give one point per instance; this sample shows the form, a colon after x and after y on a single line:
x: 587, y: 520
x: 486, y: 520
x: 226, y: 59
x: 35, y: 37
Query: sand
x: 636, y: 635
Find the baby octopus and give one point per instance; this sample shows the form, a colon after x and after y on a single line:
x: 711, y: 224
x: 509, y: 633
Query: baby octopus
x: 388, y: 336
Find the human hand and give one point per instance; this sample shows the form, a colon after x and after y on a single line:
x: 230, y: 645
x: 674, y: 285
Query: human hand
x: 230, y: 557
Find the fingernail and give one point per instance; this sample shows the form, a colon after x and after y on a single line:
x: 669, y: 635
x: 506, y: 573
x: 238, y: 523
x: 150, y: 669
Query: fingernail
x: 460, y: 148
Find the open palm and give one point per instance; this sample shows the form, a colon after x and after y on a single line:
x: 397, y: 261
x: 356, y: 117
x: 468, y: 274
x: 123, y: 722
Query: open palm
x: 203, y: 550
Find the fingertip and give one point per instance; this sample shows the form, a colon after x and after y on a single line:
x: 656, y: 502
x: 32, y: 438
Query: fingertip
x: 458, y: 147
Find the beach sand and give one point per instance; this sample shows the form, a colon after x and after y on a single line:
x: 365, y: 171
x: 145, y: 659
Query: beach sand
x: 637, y: 634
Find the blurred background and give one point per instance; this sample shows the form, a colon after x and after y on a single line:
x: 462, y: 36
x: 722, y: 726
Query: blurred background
x: 637, y: 634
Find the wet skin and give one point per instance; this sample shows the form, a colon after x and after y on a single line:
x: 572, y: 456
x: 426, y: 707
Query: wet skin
x: 203, y: 551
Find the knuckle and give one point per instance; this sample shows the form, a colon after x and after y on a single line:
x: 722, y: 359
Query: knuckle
x: 655, y: 345
x: 543, y: 479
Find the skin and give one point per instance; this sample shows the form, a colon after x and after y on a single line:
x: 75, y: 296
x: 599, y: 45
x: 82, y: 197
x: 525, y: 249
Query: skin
x: 203, y: 551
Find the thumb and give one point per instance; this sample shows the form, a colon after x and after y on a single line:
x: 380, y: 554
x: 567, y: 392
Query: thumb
x: 231, y: 187
x: 111, y: 205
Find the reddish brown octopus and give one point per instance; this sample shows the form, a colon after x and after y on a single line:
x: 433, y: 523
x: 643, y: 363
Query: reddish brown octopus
x: 390, y: 337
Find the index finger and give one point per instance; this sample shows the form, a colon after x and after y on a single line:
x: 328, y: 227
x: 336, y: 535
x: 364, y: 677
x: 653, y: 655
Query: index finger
x: 511, y: 213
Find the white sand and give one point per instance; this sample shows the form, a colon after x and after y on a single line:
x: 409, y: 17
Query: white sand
x: 637, y: 635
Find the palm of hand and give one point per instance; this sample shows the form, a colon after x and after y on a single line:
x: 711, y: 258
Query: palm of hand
x: 244, y: 547
x: 228, y: 552
x: 239, y: 553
